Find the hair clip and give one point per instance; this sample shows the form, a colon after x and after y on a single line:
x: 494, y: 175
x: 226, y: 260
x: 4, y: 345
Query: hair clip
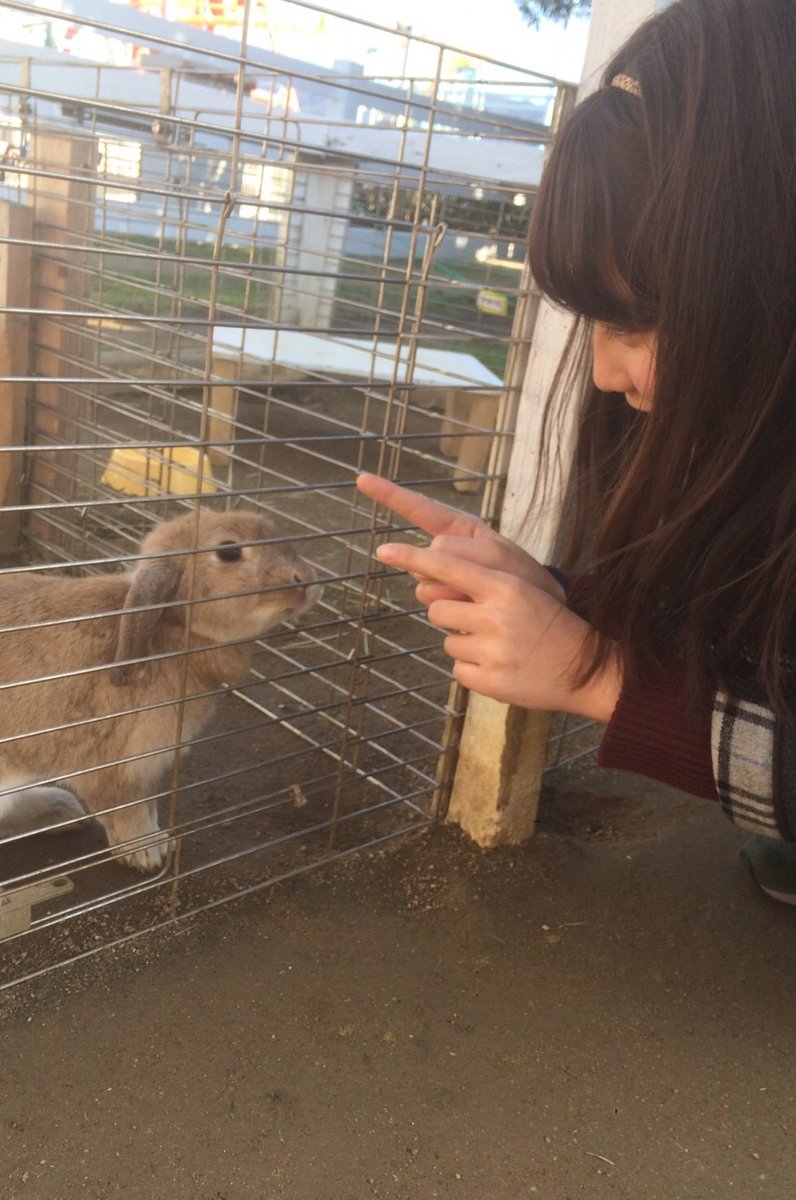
x: 627, y: 84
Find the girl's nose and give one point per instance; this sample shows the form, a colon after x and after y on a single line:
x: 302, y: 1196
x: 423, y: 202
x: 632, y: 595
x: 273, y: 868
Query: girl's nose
x: 608, y: 370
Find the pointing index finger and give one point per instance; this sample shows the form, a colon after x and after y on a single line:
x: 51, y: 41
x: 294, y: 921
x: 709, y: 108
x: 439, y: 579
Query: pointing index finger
x: 427, y: 514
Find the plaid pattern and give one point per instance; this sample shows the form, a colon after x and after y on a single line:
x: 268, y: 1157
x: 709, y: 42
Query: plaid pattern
x: 743, y: 749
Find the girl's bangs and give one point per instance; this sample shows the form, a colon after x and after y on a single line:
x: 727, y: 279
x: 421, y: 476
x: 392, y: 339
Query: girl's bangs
x: 584, y: 240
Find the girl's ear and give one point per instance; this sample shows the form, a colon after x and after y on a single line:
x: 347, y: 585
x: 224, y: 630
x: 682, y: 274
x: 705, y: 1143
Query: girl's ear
x: 155, y: 582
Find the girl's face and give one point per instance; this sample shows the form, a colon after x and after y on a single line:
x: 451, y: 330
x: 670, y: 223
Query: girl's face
x: 625, y: 362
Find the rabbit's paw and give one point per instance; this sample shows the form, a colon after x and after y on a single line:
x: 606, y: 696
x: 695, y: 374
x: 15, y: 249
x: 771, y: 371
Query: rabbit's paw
x: 150, y: 854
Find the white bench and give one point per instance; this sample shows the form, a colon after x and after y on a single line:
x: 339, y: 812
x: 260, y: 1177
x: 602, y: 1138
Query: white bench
x: 471, y: 390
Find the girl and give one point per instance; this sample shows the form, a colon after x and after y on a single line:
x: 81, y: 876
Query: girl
x: 666, y: 220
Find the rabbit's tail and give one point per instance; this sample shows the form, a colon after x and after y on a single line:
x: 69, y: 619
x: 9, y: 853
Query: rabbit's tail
x: 37, y: 809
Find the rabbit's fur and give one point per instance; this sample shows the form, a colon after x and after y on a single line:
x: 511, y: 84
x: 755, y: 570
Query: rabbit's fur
x: 123, y: 758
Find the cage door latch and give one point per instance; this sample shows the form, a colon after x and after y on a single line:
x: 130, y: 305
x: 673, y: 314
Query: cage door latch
x: 16, y: 904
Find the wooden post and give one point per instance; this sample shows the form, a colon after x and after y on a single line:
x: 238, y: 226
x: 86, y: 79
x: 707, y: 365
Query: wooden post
x: 221, y: 426
x: 16, y: 221
x: 63, y: 212
x: 463, y: 409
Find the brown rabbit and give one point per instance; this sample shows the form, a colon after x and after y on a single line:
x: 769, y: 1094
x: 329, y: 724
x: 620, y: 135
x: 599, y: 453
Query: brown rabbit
x: 110, y: 728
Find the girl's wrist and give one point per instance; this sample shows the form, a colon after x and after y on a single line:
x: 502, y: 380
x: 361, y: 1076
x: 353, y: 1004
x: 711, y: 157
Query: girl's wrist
x: 599, y: 696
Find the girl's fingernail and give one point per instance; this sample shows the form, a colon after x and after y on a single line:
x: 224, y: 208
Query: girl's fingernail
x: 387, y: 552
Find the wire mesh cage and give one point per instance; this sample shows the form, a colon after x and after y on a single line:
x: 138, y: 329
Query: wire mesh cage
x: 230, y: 279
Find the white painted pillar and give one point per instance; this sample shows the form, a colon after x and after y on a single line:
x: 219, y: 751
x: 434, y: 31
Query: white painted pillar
x: 321, y: 191
x: 503, y: 749
x: 612, y: 22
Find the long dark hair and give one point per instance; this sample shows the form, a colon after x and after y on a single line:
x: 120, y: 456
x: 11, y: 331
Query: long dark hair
x: 675, y: 210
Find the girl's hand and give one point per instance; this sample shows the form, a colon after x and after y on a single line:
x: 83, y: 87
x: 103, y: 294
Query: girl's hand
x: 510, y: 640
x: 458, y: 534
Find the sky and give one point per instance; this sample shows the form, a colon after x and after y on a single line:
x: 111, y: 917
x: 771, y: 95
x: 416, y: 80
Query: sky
x: 494, y: 28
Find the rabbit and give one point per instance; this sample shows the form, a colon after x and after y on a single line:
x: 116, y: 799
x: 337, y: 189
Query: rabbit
x: 236, y: 589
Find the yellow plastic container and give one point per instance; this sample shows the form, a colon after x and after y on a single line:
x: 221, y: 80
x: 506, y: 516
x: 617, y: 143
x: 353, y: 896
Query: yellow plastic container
x: 170, y: 471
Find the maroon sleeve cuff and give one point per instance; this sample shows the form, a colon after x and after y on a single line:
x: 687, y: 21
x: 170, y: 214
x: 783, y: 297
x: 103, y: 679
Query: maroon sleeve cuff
x: 656, y: 732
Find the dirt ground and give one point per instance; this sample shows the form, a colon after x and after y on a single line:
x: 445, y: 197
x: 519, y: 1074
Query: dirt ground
x: 606, y: 1011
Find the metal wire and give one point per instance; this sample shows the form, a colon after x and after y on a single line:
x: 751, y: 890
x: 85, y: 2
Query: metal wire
x: 238, y: 302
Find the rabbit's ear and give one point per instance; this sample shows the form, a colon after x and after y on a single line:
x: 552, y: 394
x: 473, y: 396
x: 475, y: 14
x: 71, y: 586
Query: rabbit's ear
x: 155, y: 582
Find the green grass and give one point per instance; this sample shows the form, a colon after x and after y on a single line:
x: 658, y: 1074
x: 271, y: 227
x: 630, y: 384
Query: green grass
x: 451, y: 319
x: 183, y: 288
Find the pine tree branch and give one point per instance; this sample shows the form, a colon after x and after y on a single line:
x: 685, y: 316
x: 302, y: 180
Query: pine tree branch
x: 534, y: 11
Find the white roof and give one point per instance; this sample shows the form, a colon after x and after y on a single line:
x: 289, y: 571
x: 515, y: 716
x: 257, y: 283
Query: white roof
x: 354, y: 357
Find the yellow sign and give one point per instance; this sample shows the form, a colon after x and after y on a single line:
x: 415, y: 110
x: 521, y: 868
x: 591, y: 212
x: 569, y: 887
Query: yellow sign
x: 494, y: 303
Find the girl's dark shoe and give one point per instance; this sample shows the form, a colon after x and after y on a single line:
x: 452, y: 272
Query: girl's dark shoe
x: 772, y: 865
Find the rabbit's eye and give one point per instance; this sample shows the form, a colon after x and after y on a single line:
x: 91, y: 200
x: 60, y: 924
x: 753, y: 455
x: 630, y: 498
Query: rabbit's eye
x: 229, y: 552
